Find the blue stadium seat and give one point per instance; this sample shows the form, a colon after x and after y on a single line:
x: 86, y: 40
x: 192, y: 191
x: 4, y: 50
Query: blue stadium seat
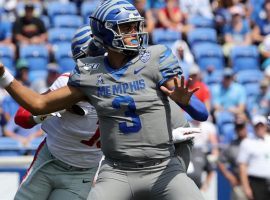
x: 7, y: 57
x: 224, y: 117
x: 202, y: 22
x: 46, y: 21
x: 249, y: 76
x: 244, y: 57
x: 36, y: 55
x: 225, y: 124
x: 67, y: 21
x: 202, y: 35
x: 227, y: 133
x: 87, y: 8
x: 252, y: 89
x: 37, y: 75
x: 64, y: 58
x: 213, y: 78
x: 209, y: 54
x: 60, y: 35
x: 58, y: 8
x: 7, y: 143
x: 9, y: 105
x: 165, y: 36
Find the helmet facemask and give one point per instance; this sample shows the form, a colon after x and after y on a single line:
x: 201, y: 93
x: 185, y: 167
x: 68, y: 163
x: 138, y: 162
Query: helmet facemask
x: 82, y: 53
x: 129, y: 37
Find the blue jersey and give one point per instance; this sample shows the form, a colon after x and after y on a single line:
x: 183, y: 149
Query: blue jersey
x: 134, y: 114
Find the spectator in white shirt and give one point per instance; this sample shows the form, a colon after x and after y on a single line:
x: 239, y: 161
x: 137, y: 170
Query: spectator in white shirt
x: 254, y: 162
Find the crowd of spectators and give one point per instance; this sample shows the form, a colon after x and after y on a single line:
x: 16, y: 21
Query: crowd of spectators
x: 223, y: 45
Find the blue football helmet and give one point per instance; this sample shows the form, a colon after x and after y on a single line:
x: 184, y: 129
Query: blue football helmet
x: 106, y: 21
x: 83, y: 44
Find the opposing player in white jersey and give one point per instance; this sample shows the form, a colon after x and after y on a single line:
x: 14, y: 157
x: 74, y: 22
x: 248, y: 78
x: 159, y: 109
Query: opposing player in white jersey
x: 66, y: 161
x: 129, y: 89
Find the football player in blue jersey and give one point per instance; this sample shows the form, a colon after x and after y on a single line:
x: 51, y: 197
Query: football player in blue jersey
x: 129, y: 88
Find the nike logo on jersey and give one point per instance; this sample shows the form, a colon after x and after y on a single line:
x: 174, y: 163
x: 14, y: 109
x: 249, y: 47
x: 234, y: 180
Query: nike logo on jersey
x: 86, y: 181
x: 136, y: 71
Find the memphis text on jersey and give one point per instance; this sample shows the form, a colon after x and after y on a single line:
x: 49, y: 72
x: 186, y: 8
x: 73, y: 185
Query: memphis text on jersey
x: 121, y: 88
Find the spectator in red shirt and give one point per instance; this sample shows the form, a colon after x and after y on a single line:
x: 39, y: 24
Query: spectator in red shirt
x: 171, y: 17
x: 203, y: 93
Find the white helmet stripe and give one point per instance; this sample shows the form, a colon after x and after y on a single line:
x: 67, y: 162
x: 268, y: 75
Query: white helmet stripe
x: 84, y: 44
x: 76, y: 39
x: 83, y: 29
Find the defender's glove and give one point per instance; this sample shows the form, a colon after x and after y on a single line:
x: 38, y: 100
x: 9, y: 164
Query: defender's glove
x: 22, y: 118
x: 182, y: 134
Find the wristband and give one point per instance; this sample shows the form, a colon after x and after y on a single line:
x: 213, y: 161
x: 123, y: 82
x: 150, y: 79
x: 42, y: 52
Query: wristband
x: 196, y: 109
x: 22, y: 118
x: 6, y: 79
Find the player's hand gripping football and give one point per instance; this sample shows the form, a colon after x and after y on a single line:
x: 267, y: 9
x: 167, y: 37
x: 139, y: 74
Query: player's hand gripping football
x: 180, y: 93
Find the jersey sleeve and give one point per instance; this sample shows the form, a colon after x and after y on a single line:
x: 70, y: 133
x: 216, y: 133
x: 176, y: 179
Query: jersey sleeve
x: 80, y: 74
x: 168, y: 65
x: 61, y: 81
x: 75, y: 77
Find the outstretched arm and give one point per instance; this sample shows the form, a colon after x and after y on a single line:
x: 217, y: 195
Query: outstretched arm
x: 179, y: 92
x: 36, y: 103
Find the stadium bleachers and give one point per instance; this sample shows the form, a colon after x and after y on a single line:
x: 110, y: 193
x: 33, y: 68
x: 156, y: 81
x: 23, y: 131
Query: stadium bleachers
x: 60, y: 35
x: 202, y: 35
x: 165, y: 36
x: 37, y: 56
x: 67, y: 21
x: 7, y: 57
x: 59, y: 8
x: 244, y: 57
x: 64, y: 58
x: 209, y: 55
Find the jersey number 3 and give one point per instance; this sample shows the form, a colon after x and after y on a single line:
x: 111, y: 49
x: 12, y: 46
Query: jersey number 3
x: 131, y: 112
